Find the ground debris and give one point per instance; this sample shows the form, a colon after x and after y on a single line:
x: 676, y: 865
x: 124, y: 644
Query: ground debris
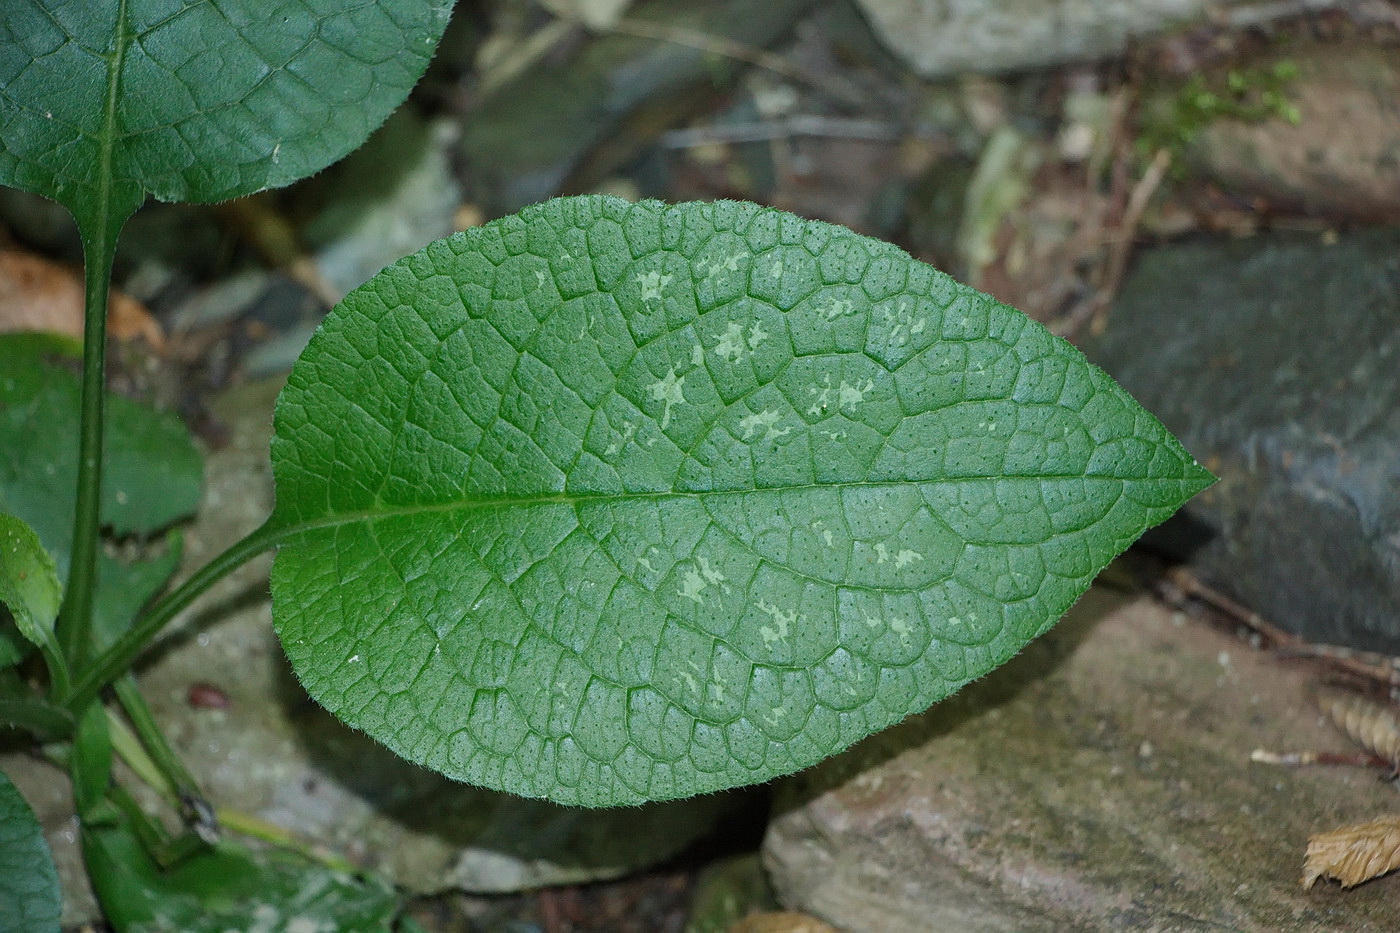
x: 783, y: 921
x: 1373, y: 726
x: 1353, y: 854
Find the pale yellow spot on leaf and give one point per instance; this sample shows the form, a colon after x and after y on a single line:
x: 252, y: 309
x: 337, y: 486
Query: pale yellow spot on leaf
x: 765, y: 421
x: 669, y: 391
x: 651, y: 284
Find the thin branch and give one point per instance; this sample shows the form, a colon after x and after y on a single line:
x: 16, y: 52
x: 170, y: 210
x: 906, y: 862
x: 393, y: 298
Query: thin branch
x: 784, y: 128
x: 728, y: 48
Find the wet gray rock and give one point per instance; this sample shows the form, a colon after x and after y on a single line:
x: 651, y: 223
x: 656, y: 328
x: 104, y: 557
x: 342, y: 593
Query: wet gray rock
x: 944, y: 37
x: 1101, y: 781
x: 1275, y: 359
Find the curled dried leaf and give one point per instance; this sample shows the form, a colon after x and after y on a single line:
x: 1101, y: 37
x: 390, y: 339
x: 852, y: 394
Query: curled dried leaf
x: 1373, y: 726
x: 1353, y: 854
x: 783, y: 921
x: 38, y: 295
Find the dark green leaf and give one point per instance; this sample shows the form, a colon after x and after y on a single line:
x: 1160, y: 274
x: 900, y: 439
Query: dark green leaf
x: 90, y: 764
x: 153, y: 472
x: 104, y: 101
x: 29, y: 588
x: 607, y: 502
x: 126, y: 588
x: 40, y: 717
x: 226, y: 888
x: 14, y: 647
x: 29, y: 895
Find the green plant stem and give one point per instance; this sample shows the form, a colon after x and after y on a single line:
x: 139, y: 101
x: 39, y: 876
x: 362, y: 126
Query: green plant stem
x: 131, y: 750
x: 43, y: 719
x: 239, y: 822
x: 75, y: 619
x: 175, y: 783
x: 122, y: 654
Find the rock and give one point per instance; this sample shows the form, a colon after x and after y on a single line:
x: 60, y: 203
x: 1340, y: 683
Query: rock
x: 390, y: 197
x: 266, y: 750
x: 1275, y: 360
x: 1101, y: 781
x: 573, y: 119
x: 1339, y: 158
x: 944, y: 37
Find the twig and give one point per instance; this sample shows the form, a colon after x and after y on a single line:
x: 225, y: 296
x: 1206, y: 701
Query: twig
x: 728, y: 48
x: 525, y: 53
x: 1120, y: 248
x: 1376, y: 669
x: 784, y: 128
x: 273, y: 238
x: 1301, y: 759
x: 1189, y: 585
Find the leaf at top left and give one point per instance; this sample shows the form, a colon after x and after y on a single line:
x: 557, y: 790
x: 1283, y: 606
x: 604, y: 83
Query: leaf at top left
x: 103, y: 102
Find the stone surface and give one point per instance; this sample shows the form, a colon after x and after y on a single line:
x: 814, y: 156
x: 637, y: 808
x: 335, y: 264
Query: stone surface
x: 944, y: 37
x: 1275, y: 360
x: 1341, y: 158
x: 573, y: 118
x: 273, y: 754
x: 1100, y: 781
x: 390, y: 197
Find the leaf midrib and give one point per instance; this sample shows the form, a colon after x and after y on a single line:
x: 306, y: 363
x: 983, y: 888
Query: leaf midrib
x: 107, y: 144
x: 297, y: 526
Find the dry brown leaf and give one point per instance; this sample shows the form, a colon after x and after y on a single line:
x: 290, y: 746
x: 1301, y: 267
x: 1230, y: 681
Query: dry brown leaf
x: 784, y: 921
x: 36, y: 294
x: 1353, y: 854
x: 1373, y: 726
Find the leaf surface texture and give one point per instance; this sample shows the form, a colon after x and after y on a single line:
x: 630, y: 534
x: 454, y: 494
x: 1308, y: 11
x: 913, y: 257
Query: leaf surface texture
x: 29, y: 896
x: 104, y: 101
x: 607, y: 502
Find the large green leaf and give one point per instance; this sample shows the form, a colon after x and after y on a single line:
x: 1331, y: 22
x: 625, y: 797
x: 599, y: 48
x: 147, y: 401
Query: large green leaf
x: 153, y: 472
x: 607, y: 502
x: 29, y: 895
x: 104, y: 101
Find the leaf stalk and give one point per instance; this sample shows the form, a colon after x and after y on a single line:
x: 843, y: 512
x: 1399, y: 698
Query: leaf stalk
x: 122, y: 653
x: 75, y: 618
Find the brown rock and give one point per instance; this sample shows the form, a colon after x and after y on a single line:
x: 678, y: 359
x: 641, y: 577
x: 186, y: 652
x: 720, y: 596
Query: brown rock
x: 1100, y: 781
x: 1341, y: 158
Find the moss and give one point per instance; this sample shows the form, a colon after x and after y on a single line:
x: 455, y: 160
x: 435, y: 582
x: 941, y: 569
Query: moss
x: 1252, y: 95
